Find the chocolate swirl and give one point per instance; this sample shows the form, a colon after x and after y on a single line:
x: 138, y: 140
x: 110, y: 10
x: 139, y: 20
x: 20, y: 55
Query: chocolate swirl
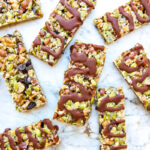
x: 85, y: 94
x: 107, y: 130
x: 118, y: 147
x: 20, y: 144
x: 90, y: 63
x: 103, y: 105
x: 70, y: 24
x: 139, y: 63
x: 115, y: 25
x: 47, y: 49
x: 128, y: 17
x: 146, y: 6
x: 75, y: 97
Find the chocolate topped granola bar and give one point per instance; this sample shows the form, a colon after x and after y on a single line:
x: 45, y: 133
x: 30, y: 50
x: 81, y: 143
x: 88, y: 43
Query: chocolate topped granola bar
x: 123, y: 20
x: 80, y: 82
x: 36, y: 136
x: 110, y: 104
x: 13, y: 11
x: 135, y: 68
x: 60, y: 28
x: 19, y: 75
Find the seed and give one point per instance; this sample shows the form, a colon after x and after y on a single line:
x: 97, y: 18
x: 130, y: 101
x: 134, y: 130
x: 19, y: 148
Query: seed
x: 31, y: 105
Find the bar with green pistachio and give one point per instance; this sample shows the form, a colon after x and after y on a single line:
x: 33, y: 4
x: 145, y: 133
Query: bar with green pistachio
x: 36, y: 136
x: 112, y: 130
x: 14, y: 11
x: 134, y: 66
x: 60, y: 28
x: 18, y: 73
x: 77, y: 93
x: 123, y: 20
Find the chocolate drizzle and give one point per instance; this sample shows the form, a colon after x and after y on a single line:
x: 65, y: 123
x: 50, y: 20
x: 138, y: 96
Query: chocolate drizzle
x: 103, y: 105
x: 20, y: 144
x: 75, y: 97
x: 146, y: 6
x: 70, y: 24
x: 128, y: 17
x: 115, y: 25
x: 118, y: 147
x: 140, y: 63
x: 90, y: 63
x: 107, y: 130
x: 47, y: 49
x: 85, y: 94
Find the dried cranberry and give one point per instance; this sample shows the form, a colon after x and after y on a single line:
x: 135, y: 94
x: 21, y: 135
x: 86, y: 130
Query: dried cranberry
x: 100, y: 128
x: 29, y: 80
x: 42, y: 124
x: 1, y: 10
x: 56, y: 32
x: 31, y: 105
x: 100, y: 147
x: 110, y: 127
x: 29, y: 68
x: 28, y: 62
x: 21, y: 67
x: 26, y: 81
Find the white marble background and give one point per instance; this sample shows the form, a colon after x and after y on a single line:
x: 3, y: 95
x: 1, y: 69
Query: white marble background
x: 51, y: 79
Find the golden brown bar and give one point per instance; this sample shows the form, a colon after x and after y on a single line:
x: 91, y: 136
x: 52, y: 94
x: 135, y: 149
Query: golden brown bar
x: 14, y: 11
x: 60, y: 28
x: 110, y: 104
x: 134, y: 66
x: 18, y: 73
x: 80, y: 82
x: 36, y: 136
x: 123, y: 20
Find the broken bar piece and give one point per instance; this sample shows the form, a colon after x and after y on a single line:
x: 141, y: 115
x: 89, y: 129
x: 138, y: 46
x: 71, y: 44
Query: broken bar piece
x: 80, y: 82
x: 110, y: 104
x: 18, y: 73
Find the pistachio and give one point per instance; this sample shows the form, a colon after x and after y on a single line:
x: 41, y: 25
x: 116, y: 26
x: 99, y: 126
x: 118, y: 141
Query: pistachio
x: 11, y: 57
x: 38, y: 132
x: 9, y: 67
x: 93, y: 82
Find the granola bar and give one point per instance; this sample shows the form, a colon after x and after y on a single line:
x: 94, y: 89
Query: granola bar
x: 36, y: 136
x: 135, y: 68
x: 19, y: 75
x: 80, y: 82
x: 123, y: 20
x: 60, y: 28
x: 14, y: 11
x: 110, y: 104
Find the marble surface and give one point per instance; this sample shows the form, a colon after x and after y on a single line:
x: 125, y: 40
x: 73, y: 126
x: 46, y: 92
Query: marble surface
x: 51, y: 79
